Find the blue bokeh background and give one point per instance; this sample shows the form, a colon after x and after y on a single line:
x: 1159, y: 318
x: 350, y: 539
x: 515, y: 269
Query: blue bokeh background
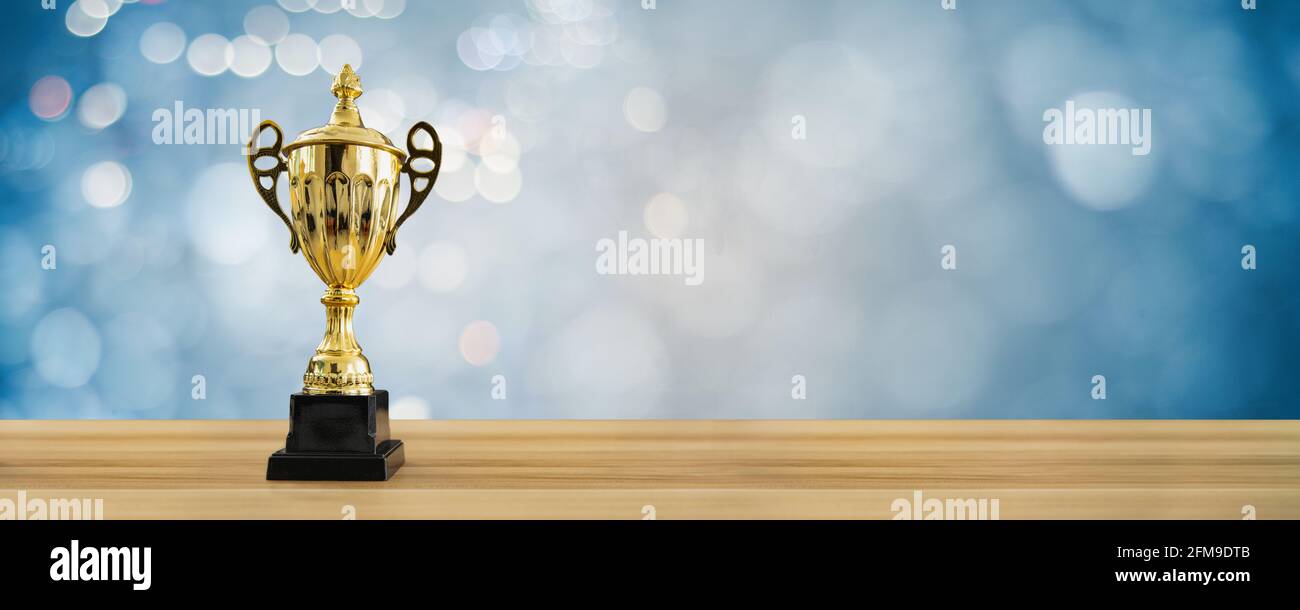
x: 568, y: 121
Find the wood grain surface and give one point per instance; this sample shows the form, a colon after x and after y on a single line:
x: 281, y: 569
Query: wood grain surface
x: 683, y: 469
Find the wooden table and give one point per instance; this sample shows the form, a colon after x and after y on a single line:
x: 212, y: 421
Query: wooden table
x: 676, y: 469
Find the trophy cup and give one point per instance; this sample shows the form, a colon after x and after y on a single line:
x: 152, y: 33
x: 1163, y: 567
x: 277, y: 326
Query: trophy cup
x: 344, y: 181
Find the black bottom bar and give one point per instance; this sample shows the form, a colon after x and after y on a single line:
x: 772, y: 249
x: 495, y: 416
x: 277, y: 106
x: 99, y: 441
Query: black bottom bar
x: 978, y: 560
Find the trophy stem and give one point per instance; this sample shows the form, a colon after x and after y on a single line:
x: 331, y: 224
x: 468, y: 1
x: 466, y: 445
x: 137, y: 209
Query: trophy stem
x: 339, y: 338
x: 338, y: 367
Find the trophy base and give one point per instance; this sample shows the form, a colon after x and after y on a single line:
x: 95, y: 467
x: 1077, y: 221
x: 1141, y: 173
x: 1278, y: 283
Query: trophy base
x: 284, y: 466
x: 337, y: 438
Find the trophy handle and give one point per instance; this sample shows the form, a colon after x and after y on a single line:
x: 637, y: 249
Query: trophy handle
x: 268, y: 194
x: 430, y: 176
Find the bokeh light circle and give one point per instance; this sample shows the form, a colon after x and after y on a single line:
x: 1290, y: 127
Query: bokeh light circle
x: 386, y: 9
x: 210, y: 54
x: 100, y: 9
x: 162, y: 43
x: 666, y: 216
x: 329, y: 7
x: 81, y: 22
x: 101, y: 105
x: 364, y: 8
x: 1102, y: 176
x: 50, y: 97
x: 297, y: 55
x: 338, y: 49
x: 297, y: 6
x: 266, y: 24
x: 480, y: 342
x: 479, y: 49
x: 251, y: 56
x: 645, y: 109
x: 106, y: 184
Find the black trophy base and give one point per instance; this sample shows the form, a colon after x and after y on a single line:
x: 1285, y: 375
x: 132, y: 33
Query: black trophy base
x: 337, y: 438
x: 285, y: 466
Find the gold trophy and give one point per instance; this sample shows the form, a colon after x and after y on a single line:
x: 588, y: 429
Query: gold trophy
x: 344, y: 182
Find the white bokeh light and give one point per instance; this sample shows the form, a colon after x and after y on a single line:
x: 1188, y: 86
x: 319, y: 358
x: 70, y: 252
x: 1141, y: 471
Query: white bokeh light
x: 162, y: 43
x: 101, y: 105
x: 297, y: 55
x: 210, y: 54
x: 386, y: 9
x: 329, y: 7
x: 266, y: 24
x: 1102, y: 176
x: 666, y: 216
x: 251, y: 57
x: 100, y: 9
x: 297, y: 6
x: 514, y: 32
x: 106, y: 184
x: 479, y: 49
x: 363, y: 8
x: 81, y: 22
x: 338, y: 49
x: 645, y: 110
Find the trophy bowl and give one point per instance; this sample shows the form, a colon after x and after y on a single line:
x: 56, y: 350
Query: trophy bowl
x: 344, y: 183
x: 342, y: 199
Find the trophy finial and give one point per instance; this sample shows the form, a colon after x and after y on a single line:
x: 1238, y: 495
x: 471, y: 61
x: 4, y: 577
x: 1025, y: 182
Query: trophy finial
x: 347, y: 85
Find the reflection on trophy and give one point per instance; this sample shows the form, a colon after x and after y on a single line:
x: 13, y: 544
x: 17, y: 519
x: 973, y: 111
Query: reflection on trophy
x: 344, y: 182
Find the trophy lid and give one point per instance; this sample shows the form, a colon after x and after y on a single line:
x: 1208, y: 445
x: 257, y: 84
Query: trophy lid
x: 345, y: 126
